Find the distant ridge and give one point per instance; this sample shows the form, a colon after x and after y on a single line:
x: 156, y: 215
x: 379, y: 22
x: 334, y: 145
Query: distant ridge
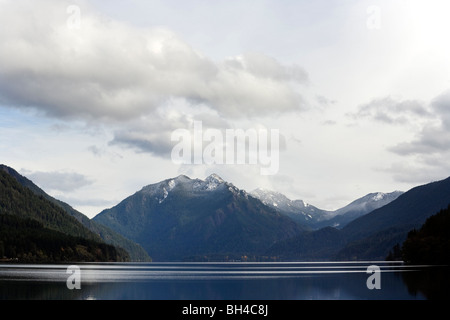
x: 410, y: 209
x: 361, y: 207
x: 315, y: 218
x: 371, y: 236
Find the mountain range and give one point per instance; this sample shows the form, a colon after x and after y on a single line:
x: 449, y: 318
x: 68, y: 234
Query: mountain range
x: 184, y: 219
x: 373, y: 235
x: 315, y: 218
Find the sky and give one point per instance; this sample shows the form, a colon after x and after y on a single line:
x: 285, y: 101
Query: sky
x: 92, y: 91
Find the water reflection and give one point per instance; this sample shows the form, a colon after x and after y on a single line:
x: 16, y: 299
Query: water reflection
x: 218, y: 281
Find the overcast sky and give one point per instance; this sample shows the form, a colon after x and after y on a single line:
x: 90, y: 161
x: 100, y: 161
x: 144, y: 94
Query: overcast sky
x: 90, y: 93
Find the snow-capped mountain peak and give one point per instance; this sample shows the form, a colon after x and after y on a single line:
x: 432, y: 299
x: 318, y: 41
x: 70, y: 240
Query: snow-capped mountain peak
x: 378, y: 196
x: 369, y: 203
x: 213, y: 181
x: 214, y: 177
x: 299, y: 210
x: 272, y: 198
x: 171, y: 184
x: 161, y: 190
x: 306, y: 214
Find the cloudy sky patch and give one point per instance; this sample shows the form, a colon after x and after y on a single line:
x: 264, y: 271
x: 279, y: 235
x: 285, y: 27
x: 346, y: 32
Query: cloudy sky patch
x: 90, y: 93
x: 107, y: 69
x: 59, y: 181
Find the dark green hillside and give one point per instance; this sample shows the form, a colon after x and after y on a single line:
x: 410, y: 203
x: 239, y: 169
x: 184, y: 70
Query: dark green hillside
x: 431, y: 243
x: 30, y: 218
x: 309, y: 246
x: 26, y: 240
x: 23, y: 203
x: 136, y: 252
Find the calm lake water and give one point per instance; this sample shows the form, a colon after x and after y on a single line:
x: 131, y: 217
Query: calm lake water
x: 222, y: 281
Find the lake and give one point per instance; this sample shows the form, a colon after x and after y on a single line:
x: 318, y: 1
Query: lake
x: 222, y: 281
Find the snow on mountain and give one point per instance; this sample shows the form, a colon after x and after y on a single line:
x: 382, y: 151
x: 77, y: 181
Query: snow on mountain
x: 186, y: 218
x: 211, y: 183
x: 314, y: 217
x: 379, y: 196
x: 161, y: 190
x: 360, y: 207
x: 368, y: 203
x: 171, y: 184
x: 278, y: 200
x: 298, y: 210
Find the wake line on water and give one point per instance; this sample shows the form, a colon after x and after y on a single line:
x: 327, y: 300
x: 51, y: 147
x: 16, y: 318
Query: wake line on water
x: 91, y: 273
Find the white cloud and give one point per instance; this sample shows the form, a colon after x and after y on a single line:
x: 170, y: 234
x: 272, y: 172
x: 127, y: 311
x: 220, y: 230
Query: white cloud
x: 59, y: 181
x: 107, y: 69
x: 393, y: 111
x: 434, y: 136
x: 423, y: 158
